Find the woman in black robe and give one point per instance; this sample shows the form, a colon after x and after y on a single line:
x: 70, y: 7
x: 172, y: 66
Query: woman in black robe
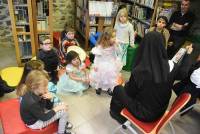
x: 147, y: 93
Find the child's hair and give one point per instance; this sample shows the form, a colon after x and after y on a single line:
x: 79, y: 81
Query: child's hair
x: 122, y: 11
x: 28, y: 67
x: 43, y: 38
x: 68, y: 28
x: 70, y: 56
x: 34, y: 80
x: 105, y: 37
x: 164, y: 18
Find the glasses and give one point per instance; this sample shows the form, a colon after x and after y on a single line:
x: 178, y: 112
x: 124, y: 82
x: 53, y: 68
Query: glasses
x: 47, y: 43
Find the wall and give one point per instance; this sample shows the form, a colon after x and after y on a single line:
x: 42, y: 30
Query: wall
x: 64, y: 12
x: 5, y: 25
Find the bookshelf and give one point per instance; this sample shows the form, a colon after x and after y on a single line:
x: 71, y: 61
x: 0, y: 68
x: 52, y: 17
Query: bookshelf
x: 22, y: 29
x: 29, y: 21
x: 90, y: 18
x: 142, y: 14
x: 43, y: 11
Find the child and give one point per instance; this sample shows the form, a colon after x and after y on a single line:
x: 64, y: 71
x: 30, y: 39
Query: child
x: 50, y: 58
x: 68, y: 40
x: 28, y: 67
x: 36, y: 108
x: 161, y: 27
x: 76, y: 78
x: 107, y: 66
x: 124, y: 33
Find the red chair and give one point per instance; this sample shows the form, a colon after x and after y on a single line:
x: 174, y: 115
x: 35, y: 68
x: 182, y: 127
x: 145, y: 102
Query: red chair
x: 12, y: 123
x: 155, y: 127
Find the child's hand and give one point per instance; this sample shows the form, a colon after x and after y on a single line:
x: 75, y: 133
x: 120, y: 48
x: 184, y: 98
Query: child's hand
x: 60, y: 107
x: 189, y: 49
x: 47, y: 96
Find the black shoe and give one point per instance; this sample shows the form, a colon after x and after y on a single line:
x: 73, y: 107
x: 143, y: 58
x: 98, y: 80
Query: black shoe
x: 69, y: 125
x: 109, y: 91
x: 69, y: 132
x: 120, y: 119
x: 98, y: 91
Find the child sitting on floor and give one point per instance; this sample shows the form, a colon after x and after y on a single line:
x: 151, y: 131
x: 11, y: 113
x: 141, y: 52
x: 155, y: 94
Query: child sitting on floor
x: 36, y: 108
x: 76, y: 77
x: 68, y: 40
x: 28, y: 67
x: 50, y: 58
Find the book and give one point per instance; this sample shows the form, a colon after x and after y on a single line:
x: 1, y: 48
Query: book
x: 179, y: 55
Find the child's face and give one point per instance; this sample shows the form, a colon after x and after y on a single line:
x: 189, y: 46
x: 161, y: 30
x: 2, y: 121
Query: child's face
x: 42, y: 88
x: 70, y: 35
x: 161, y: 23
x: 46, y: 46
x: 113, y: 38
x: 122, y: 18
x: 76, y: 62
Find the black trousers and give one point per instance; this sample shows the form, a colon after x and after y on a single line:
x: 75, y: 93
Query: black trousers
x: 187, y: 86
x: 121, y: 100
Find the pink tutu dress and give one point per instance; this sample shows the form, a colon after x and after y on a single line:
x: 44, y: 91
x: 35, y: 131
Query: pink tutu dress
x: 106, y: 68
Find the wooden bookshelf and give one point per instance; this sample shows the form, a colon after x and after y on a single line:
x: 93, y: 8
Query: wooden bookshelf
x: 22, y: 29
x: 24, y: 17
x: 43, y: 11
x: 142, y: 14
x: 86, y: 24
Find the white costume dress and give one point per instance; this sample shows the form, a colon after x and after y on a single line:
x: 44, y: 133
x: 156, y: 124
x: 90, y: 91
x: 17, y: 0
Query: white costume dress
x: 106, y: 68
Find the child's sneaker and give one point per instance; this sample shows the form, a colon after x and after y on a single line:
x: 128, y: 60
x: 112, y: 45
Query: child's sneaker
x: 69, y: 132
x: 98, y: 91
x: 69, y: 125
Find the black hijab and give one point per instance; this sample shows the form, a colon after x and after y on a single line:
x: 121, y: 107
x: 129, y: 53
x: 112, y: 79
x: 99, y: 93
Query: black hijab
x: 151, y: 60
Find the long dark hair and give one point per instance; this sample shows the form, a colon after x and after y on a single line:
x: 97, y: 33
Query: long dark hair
x: 151, y: 61
x: 70, y: 56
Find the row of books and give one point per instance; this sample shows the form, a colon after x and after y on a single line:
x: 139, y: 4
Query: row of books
x: 94, y: 20
x: 21, y: 15
x: 140, y: 28
x: 139, y: 12
x: 148, y: 3
x: 25, y: 46
x: 42, y: 25
x: 82, y: 3
x: 42, y: 8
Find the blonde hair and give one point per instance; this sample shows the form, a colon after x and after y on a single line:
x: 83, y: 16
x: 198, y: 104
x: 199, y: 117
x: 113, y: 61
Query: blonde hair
x: 121, y: 11
x: 104, y: 39
x: 34, y: 80
x: 29, y: 66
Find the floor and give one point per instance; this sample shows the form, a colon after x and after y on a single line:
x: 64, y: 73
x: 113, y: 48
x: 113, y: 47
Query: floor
x: 89, y: 112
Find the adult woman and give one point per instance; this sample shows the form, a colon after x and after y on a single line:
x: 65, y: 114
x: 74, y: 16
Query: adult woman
x: 147, y: 93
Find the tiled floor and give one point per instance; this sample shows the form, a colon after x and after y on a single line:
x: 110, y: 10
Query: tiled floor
x: 90, y: 113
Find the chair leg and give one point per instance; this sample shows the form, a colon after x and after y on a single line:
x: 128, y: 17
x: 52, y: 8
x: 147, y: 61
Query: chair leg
x: 128, y: 125
x: 188, y: 108
x: 172, y: 128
